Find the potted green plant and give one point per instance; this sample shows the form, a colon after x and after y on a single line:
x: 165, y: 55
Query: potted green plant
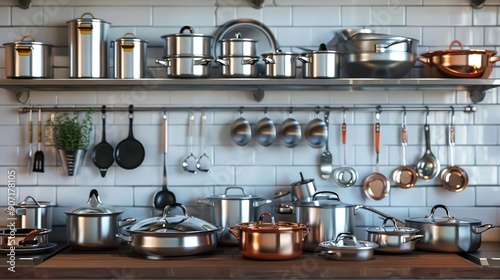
x: 72, y: 134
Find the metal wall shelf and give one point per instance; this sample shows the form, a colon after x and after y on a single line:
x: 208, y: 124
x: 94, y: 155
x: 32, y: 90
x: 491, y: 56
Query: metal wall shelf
x: 476, y: 87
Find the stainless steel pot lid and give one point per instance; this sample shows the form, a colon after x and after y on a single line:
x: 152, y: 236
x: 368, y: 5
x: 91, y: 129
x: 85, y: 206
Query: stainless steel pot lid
x: 250, y: 29
x: 190, y: 34
x: 226, y: 196
x: 83, y: 19
x: 94, y: 206
x: 238, y: 38
x: 273, y: 226
x: 174, y: 224
x: 392, y: 230
x: 33, y: 203
x: 348, y: 241
x: 129, y: 38
x: 332, y: 201
x: 447, y: 220
x: 279, y: 52
x: 25, y: 42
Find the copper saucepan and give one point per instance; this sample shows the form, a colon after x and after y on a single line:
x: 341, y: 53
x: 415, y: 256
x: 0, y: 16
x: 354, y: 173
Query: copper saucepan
x: 458, y: 63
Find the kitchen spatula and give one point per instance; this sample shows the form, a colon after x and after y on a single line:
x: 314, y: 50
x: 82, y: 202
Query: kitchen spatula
x: 38, y: 162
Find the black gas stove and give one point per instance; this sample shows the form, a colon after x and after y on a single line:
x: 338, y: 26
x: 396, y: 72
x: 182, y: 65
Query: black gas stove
x: 488, y: 255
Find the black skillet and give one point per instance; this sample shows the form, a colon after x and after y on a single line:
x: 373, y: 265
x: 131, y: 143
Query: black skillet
x: 129, y: 153
x: 102, y: 155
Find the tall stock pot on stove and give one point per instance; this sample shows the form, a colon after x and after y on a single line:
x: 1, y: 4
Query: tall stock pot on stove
x: 325, y: 218
x: 226, y: 210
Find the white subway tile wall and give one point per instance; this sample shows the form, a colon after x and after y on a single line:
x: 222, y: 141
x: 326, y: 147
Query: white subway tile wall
x: 261, y: 170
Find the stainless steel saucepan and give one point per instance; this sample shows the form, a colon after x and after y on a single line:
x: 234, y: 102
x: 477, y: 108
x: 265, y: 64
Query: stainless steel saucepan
x: 404, y: 176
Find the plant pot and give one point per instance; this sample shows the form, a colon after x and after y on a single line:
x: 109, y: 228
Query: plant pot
x: 71, y: 160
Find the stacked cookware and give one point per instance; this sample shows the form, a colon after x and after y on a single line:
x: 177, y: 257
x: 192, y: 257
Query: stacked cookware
x: 187, y: 55
x: 239, y: 57
x: 32, y: 226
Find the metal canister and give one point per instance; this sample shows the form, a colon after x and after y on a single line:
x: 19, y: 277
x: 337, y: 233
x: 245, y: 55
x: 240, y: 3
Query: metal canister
x: 28, y: 59
x: 88, y: 47
x: 129, y: 57
x: 34, y: 214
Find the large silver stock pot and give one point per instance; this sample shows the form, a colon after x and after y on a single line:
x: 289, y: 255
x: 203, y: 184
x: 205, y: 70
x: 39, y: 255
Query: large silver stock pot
x: 171, y: 235
x: 226, y: 210
x: 94, y: 226
x: 187, y: 44
x: 130, y: 54
x: 326, y: 218
x: 447, y: 233
x: 88, y: 47
x: 28, y: 59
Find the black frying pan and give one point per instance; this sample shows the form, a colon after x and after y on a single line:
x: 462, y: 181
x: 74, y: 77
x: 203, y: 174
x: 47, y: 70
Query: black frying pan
x: 102, y: 155
x: 129, y: 153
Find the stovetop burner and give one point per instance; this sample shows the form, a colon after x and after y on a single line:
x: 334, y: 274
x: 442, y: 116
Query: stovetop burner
x: 37, y: 257
x: 487, y: 255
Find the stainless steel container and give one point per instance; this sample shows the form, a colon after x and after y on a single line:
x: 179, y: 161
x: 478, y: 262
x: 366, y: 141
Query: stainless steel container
x: 448, y: 234
x: 28, y: 59
x: 280, y: 64
x: 187, y: 66
x: 238, y: 66
x: 322, y: 63
x: 394, y: 240
x: 88, y: 47
x: 171, y: 235
x: 23, y: 238
x: 34, y: 214
x: 270, y: 241
x: 226, y: 210
x: 303, y: 190
x: 93, y: 226
x: 187, y: 44
x: 130, y: 54
x: 239, y: 46
x: 346, y: 247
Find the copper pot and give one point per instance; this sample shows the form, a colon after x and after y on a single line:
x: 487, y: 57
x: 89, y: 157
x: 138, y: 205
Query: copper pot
x: 462, y: 63
x: 270, y: 241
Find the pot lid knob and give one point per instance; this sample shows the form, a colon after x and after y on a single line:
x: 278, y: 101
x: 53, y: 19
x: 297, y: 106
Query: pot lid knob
x: 94, y: 199
x: 261, y: 218
x: 323, y: 47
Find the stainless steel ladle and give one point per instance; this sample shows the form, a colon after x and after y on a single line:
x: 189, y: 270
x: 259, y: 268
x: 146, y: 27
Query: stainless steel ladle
x: 345, y: 176
x: 189, y: 163
x: 203, y: 162
x: 428, y: 167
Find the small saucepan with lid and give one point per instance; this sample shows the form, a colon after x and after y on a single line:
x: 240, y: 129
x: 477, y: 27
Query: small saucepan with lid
x: 395, y: 240
x: 27, y: 58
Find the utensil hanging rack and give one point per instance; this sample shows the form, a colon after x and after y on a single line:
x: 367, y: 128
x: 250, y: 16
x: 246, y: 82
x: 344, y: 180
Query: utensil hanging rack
x: 385, y: 108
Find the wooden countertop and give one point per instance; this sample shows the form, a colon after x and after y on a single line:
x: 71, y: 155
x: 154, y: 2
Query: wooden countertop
x: 227, y: 263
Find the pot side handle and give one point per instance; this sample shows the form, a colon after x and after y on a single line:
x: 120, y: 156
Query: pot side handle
x: 127, y: 238
x: 126, y: 221
x: 415, y: 237
x: 305, y: 232
x: 483, y: 228
x: 206, y: 202
x: 303, y: 58
x: 234, y: 231
x: 259, y: 203
x: 494, y: 59
x: 425, y: 60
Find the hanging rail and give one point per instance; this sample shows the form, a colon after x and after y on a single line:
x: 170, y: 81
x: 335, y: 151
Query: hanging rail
x: 466, y: 109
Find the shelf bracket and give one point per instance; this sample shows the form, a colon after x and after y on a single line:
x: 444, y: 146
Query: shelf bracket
x: 258, y: 95
x: 477, y: 95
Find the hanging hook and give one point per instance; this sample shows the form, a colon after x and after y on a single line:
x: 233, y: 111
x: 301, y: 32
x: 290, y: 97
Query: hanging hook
x: 427, y: 115
x: 241, y: 110
x: 343, y: 114
x: 290, y: 111
x: 317, y: 110
x: 404, y: 116
x: 379, y: 111
x: 452, y: 115
x: 265, y: 111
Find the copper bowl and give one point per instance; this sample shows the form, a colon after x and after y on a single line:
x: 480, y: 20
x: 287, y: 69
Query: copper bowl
x: 462, y: 63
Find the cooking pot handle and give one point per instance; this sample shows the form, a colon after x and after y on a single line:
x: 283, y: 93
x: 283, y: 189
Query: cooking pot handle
x: 221, y: 61
x: 268, y: 60
x: 206, y: 202
x: 456, y: 42
x: 27, y: 198
x: 202, y: 61
x: 259, y: 203
x: 345, y: 235
x: 167, y: 209
x: 130, y: 34
x: 494, y: 59
x: 87, y: 14
x: 250, y: 61
x: 440, y: 206
x: 389, y: 219
x: 126, y: 221
x: 415, y: 237
x: 376, y: 212
x: 483, y: 228
x: 187, y: 27
x: 326, y: 192
x: 425, y: 60
x: 234, y: 231
x: 124, y: 237
x: 235, y: 188
x: 28, y: 37
x: 94, y: 198
x: 30, y: 238
x: 382, y: 49
x: 261, y: 217
x: 303, y: 58
x: 305, y: 232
